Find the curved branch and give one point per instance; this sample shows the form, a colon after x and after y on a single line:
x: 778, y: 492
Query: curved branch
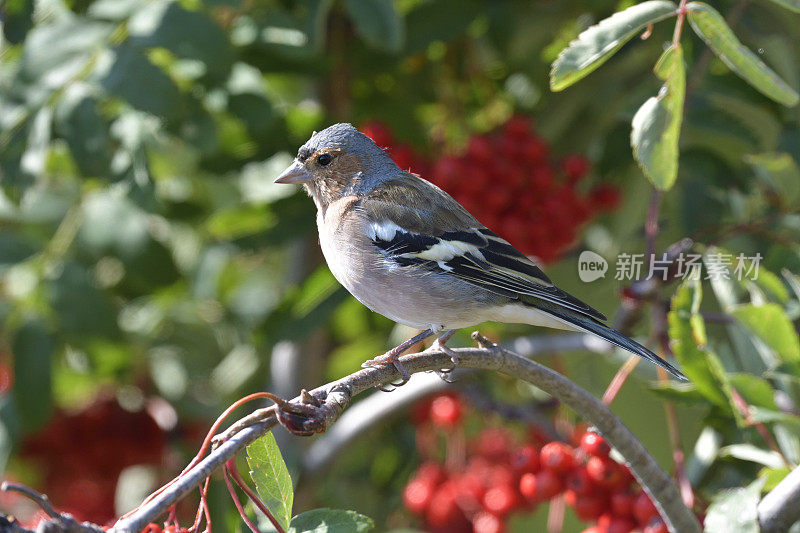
x: 336, y: 395
x: 778, y: 510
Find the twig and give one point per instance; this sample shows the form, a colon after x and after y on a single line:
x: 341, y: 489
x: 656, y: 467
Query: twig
x: 335, y: 396
x: 41, y: 499
x: 778, y: 510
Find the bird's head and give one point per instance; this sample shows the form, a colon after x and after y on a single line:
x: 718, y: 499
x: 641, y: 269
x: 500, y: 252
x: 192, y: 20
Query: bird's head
x: 336, y: 161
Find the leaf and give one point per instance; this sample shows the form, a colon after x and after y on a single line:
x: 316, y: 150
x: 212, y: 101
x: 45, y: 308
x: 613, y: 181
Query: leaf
x: 770, y: 284
x: 705, y: 452
x: 792, y: 5
x: 268, y: 471
x: 330, y: 521
x: 656, y: 126
x: 770, y: 323
x: 735, y: 510
x: 701, y: 366
x: 17, y: 19
x: 377, y: 22
x: 187, y: 34
x: 779, y: 172
x: 78, y: 121
x: 33, y: 348
x: 754, y: 390
x: 599, y: 42
x: 773, y: 476
x: 143, y: 85
x: 713, y: 29
x: 754, y: 454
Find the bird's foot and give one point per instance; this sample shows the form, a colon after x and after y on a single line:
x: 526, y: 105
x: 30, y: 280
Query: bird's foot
x: 389, y: 358
x: 439, y: 346
x: 392, y: 357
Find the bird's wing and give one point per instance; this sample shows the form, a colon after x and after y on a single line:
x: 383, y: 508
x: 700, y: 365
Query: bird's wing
x: 414, y: 223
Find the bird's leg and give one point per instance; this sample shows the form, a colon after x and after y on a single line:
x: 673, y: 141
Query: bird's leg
x: 439, y: 346
x: 392, y: 357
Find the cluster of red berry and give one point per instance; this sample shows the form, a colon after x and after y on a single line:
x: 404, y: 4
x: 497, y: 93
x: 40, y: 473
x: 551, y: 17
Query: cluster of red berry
x: 508, y: 180
x: 502, y: 476
x: 82, y: 454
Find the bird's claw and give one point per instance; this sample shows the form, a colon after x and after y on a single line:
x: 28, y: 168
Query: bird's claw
x: 393, y: 359
x: 439, y: 346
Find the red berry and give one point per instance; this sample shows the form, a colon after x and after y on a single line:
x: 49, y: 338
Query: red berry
x: 605, y: 471
x: 443, y: 513
x: 378, y: 132
x: 487, y: 523
x: 605, y: 197
x: 579, y: 481
x: 593, y: 529
x: 501, y: 500
x: 518, y: 126
x: 557, y: 456
x: 431, y: 471
x: 480, y: 149
x: 594, y: 444
x: 609, y: 523
x: 656, y: 525
x: 494, y: 444
x: 541, y: 486
x: 574, y: 167
x: 622, y: 503
x: 525, y: 459
x: 417, y: 495
x: 643, y: 509
x: 446, y: 411
x: 534, y: 150
x: 590, y: 506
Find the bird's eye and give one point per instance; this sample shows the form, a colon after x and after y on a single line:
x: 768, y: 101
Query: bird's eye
x: 325, y: 159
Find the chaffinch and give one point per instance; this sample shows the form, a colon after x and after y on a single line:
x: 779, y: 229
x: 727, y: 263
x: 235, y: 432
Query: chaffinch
x: 409, y: 251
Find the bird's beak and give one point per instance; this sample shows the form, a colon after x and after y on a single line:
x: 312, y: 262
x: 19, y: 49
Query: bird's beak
x: 294, y: 173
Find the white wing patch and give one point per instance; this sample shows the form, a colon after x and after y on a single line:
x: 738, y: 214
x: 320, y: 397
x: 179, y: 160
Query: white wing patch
x: 384, y: 230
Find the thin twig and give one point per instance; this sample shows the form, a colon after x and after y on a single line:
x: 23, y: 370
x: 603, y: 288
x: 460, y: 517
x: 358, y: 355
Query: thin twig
x: 41, y: 499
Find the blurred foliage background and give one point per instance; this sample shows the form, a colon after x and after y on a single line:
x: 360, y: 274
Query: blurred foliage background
x: 147, y: 262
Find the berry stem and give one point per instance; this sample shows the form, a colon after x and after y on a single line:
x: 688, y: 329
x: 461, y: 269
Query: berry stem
x: 676, y: 36
x: 236, y: 502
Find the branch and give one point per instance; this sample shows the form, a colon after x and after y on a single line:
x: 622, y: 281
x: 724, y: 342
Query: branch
x: 778, y: 510
x: 336, y: 395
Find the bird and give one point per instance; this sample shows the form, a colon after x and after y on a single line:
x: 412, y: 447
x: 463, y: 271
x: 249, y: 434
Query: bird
x: 407, y: 250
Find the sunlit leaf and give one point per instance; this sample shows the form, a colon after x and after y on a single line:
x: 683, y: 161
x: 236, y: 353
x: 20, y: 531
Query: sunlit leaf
x: 700, y: 365
x: 770, y: 323
x: 331, y: 521
x: 754, y: 454
x: 269, y: 473
x: 712, y: 28
x: 599, y: 42
x: 735, y: 510
x: 656, y: 127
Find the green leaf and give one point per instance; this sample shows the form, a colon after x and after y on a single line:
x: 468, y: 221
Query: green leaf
x: 754, y: 454
x: 377, y: 22
x: 792, y: 5
x: 269, y: 473
x: 770, y: 323
x: 143, y: 85
x: 78, y: 121
x: 754, y: 390
x: 699, y: 364
x: 773, y: 476
x: 599, y: 42
x: 656, y: 127
x: 17, y: 19
x: 779, y: 172
x: 330, y: 521
x: 735, y: 510
x: 713, y: 29
x: 33, y: 348
x: 187, y: 34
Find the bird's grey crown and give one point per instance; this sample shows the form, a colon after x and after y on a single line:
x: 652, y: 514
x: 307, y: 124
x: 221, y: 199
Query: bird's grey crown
x: 347, y: 138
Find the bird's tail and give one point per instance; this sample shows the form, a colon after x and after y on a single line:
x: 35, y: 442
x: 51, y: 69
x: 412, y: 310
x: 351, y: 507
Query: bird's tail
x: 595, y: 327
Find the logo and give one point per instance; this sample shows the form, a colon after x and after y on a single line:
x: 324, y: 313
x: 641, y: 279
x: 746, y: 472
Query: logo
x: 591, y: 266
